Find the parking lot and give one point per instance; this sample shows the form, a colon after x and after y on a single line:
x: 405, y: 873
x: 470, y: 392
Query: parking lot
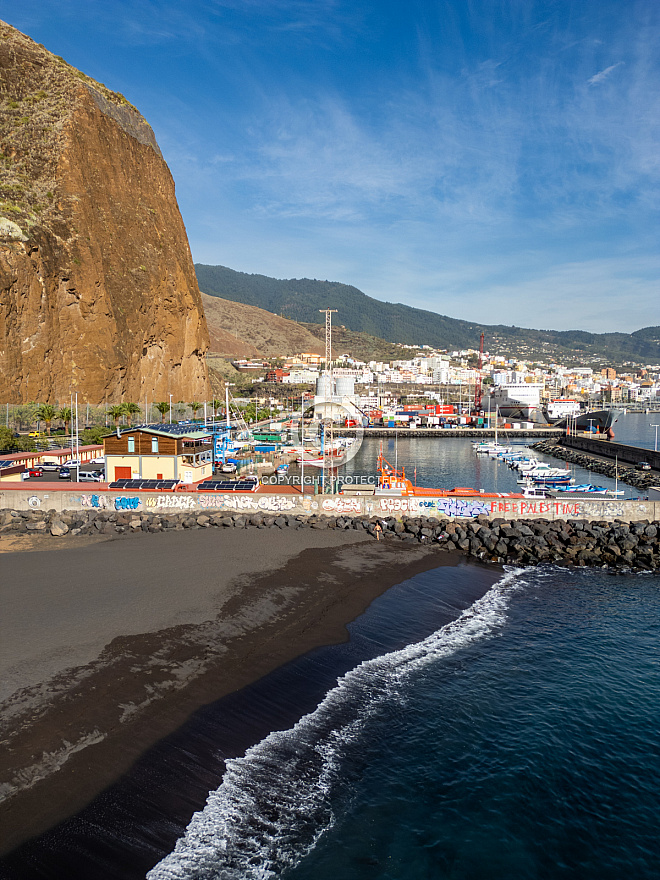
x: 54, y: 476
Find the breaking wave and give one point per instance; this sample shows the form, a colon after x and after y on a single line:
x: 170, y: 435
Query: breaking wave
x: 277, y: 801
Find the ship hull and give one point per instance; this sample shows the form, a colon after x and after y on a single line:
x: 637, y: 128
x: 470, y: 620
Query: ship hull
x: 596, y: 420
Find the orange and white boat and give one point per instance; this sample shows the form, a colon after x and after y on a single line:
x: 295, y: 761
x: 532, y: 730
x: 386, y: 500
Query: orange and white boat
x: 394, y: 481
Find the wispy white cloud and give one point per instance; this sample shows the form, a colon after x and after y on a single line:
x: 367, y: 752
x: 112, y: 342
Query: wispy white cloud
x: 603, y: 74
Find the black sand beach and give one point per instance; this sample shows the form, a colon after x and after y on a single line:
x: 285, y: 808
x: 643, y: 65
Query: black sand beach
x: 108, y: 648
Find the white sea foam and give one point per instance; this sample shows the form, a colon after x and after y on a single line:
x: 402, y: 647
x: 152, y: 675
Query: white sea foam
x: 275, y: 802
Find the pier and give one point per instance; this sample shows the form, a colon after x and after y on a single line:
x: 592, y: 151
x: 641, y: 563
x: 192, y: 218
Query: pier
x: 464, y: 433
x: 612, y: 450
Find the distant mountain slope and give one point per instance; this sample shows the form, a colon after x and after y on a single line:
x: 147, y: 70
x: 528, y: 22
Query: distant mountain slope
x: 301, y: 299
x: 237, y: 330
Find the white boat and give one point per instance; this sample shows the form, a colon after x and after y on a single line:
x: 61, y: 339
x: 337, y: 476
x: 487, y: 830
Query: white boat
x: 532, y: 491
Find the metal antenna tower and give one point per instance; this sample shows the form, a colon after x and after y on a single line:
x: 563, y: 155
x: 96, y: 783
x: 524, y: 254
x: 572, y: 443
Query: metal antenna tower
x: 328, y: 378
x: 328, y: 338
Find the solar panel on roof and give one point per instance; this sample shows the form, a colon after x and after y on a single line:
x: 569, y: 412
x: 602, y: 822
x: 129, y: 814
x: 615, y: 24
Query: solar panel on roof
x: 7, y: 463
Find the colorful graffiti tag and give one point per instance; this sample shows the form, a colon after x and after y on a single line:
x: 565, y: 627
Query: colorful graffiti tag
x: 103, y: 502
x: 122, y: 503
x: 451, y: 507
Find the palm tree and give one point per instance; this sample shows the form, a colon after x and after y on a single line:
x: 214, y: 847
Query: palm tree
x: 46, y: 412
x: 195, y: 406
x: 131, y: 409
x: 163, y: 408
x: 116, y: 412
x: 65, y: 416
x: 216, y: 404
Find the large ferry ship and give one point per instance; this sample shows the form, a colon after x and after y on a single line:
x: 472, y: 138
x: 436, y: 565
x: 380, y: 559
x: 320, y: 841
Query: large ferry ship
x: 516, y: 402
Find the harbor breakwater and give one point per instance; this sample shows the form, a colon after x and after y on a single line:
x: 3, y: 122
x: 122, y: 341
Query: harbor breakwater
x: 618, y: 544
x: 606, y: 465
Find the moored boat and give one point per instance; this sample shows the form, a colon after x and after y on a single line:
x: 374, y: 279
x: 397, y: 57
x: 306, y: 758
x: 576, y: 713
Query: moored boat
x: 393, y: 480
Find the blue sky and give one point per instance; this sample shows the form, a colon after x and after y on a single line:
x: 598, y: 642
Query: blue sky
x: 493, y: 160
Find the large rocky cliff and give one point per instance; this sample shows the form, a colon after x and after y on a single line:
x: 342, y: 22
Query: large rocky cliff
x: 98, y: 292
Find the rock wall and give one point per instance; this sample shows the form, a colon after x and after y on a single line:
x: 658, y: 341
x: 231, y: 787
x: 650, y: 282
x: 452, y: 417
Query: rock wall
x: 98, y: 293
x: 618, y: 545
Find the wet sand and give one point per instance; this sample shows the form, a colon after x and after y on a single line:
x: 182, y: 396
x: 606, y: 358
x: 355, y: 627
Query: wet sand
x: 110, y: 647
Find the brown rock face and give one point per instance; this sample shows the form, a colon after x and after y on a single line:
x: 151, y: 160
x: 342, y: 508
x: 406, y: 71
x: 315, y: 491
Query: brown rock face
x: 98, y: 292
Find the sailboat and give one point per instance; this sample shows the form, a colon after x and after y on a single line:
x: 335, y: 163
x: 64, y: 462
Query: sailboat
x: 488, y: 448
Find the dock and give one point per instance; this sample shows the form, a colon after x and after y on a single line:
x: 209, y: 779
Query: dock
x: 464, y: 433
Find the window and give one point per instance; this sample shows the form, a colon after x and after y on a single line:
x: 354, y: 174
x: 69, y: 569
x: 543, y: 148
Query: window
x: 154, y: 444
x: 131, y: 444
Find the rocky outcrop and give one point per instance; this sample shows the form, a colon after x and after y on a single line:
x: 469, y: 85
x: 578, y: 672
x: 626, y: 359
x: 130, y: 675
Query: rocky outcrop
x: 98, y: 292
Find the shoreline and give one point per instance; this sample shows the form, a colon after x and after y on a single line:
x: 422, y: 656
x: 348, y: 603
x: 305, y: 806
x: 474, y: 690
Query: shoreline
x: 76, y: 724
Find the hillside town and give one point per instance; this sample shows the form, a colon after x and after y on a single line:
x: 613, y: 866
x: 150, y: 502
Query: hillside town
x: 454, y: 376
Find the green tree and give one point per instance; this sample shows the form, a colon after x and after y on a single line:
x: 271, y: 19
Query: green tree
x: 131, y: 409
x: 163, y: 408
x: 116, y: 412
x: 93, y: 435
x: 65, y: 416
x: 6, y: 439
x: 195, y: 406
x: 23, y: 415
x: 9, y: 443
x: 216, y: 404
x: 46, y: 412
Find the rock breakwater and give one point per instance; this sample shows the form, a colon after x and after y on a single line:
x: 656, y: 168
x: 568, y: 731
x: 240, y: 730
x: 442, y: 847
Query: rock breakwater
x: 618, y: 545
x: 626, y: 473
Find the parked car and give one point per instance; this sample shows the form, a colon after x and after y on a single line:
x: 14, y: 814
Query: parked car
x: 91, y: 477
x: 643, y: 466
x: 65, y: 473
x: 50, y: 466
x: 35, y: 472
x: 36, y: 434
x: 72, y: 462
x: 100, y: 460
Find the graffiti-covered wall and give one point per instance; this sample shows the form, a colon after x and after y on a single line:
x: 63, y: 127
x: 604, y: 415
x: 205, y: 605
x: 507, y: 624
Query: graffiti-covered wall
x: 332, y: 505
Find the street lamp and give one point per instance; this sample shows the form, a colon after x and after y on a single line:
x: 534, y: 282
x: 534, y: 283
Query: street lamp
x: 656, y: 435
x: 170, y: 409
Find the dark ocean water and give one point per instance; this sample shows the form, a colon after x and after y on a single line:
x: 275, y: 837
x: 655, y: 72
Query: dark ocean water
x: 520, y: 741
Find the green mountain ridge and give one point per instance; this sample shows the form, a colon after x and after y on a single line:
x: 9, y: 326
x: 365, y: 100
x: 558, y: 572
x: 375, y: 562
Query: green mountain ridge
x: 301, y: 299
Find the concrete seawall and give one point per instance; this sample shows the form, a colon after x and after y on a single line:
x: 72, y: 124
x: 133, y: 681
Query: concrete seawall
x: 468, y: 507
x: 463, y: 433
x: 613, y: 450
